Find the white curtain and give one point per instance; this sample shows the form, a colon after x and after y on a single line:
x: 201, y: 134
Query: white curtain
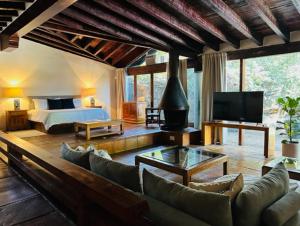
x: 183, y: 74
x: 120, y: 91
x: 214, y: 80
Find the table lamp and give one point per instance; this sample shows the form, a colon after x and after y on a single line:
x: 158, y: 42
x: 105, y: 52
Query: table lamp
x: 89, y: 92
x: 16, y: 93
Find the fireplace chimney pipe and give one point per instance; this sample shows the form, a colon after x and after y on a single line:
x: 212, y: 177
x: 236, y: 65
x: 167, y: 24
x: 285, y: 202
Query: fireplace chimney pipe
x: 174, y: 102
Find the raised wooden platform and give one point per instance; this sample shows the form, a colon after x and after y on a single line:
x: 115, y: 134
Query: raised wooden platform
x: 135, y: 136
x: 20, y: 204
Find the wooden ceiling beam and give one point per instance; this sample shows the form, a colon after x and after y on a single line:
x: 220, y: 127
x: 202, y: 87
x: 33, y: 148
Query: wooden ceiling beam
x: 8, y: 13
x: 12, y: 5
x: 50, y: 37
x: 121, y: 56
x: 146, y: 22
x: 77, y: 15
x: 65, y: 38
x: 262, y: 9
x: 231, y: 17
x: 100, y: 47
x: 55, y: 45
x: 104, y: 15
x: 78, y: 29
x: 149, y: 7
x: 5, y: 19
x: 136, y: 54
x: 113, y: 51
x: 17, y: 0
x: 193, y: 14
x: 92, y: 42
x: 39, y: 12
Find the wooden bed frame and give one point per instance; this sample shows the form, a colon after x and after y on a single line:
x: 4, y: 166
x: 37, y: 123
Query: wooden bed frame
x: 56, y: 129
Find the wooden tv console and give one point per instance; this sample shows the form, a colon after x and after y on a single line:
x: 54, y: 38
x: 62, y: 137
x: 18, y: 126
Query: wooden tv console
x: 208, y: 132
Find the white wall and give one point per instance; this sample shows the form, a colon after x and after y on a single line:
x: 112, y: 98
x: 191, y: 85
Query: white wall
x: 45, y: 71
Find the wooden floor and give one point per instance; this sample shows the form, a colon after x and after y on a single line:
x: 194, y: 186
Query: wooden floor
x: 20, y: 204
x: 242, y: 159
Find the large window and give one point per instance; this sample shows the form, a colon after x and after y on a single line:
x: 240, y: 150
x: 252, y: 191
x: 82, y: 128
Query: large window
x: 230, y: 135
x: 129, y: 88
x: 233, y: 76
x: 143, y: 89
x: 193, y: 88
x: 277, y: 76
x: 159, y: 84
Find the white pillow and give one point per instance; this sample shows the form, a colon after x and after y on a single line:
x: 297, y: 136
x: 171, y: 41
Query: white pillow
x: 77, y: 103
x: 101, y: 152
x: 40, y: 104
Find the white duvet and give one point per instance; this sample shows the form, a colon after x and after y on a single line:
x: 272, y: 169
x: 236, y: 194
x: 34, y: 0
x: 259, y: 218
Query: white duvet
x: 55, y: 117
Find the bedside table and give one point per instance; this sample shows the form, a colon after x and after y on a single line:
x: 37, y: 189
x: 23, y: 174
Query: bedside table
x: 17, y: 120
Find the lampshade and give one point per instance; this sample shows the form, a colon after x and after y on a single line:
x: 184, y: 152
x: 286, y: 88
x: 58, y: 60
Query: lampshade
x: 13, y: 92
x: 87, y: 92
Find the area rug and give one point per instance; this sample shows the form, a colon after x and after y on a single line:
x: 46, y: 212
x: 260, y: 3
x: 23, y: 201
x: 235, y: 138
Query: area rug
x: 27, y: 133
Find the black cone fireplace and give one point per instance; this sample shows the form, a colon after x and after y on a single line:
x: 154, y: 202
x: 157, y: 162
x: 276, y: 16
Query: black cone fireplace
x: 174, y: 102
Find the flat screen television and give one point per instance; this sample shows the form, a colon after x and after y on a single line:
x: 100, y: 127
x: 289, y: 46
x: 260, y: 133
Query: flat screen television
x: 238, y: 106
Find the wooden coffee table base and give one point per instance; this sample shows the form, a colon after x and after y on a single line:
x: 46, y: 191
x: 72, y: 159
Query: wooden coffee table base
x: 185, y: 173
x: 88, y: 126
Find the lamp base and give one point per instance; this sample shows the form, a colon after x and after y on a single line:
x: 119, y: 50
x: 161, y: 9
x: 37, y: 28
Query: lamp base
x: 92, y: 101
x: 17, y: 104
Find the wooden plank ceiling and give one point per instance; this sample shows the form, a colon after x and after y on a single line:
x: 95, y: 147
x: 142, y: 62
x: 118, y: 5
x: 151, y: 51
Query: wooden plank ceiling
x: 118, y: 32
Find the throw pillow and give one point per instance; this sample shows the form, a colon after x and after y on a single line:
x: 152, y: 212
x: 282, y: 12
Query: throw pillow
x: 40, y: 104
x: 212, y: 208
x: 55, y: 104
x: 67, y: 103
x: 231, y: 188
x: 254, y: 198
x: 102, y: 153
x: 77, y: 103
x: 124, y: 175
x: 282, y: 210
x: 78, y: 156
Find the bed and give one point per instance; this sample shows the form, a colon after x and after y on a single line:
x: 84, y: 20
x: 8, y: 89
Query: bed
x: 44, y: 119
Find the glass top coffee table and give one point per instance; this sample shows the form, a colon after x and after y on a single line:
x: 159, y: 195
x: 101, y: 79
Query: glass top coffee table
x: 184, y: 161
x: 293, y: 167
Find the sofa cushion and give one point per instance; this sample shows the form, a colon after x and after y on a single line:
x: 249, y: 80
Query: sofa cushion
x: 78, y: 156
x: 124, y: 175
x: 164, y: 215
x: 254, y: 198
x: 250, y: 179
x: 212, y: 208
x: 294, y: 221
x: 282, y: 210
x: 231, y: 187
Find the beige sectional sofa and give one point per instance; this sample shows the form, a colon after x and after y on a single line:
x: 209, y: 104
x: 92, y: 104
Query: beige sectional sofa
x: 265, y: 201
